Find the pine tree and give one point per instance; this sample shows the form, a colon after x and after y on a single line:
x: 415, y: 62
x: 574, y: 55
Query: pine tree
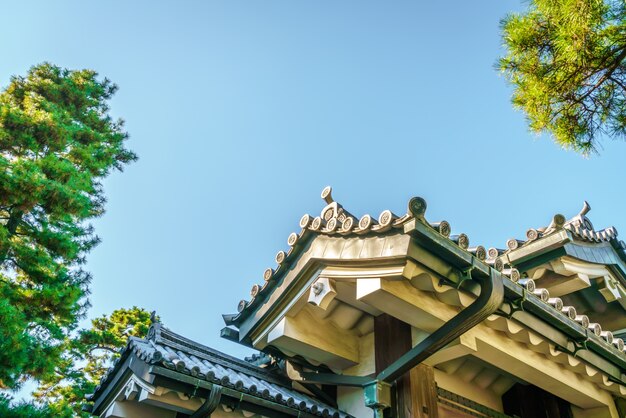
x: 87, y: 357
x: 566, y: 62
x: 57, y: 143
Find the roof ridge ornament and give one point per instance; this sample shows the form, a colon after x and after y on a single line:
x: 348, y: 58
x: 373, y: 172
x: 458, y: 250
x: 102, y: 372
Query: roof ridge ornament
x: 417, y: 207
x: 586, y: 208
x: 154, y: 332
x: 581, y: 219
x: 333, y: 209
x: 558, y: 221
x: 327, y: 195
x: 580, y: 225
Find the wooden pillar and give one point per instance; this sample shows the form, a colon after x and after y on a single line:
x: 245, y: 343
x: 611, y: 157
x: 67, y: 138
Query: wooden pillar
x: 424, y: 392
x: 528, y: 401
x: 416, y: 391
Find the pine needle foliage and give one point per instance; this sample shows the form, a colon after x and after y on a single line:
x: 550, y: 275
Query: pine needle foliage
x: 566, y: 62
x: 57, y: 143
x: 86, y: 359
x: 11, y: 409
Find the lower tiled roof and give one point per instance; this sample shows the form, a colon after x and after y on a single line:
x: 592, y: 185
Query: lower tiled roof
x: 175, y: 352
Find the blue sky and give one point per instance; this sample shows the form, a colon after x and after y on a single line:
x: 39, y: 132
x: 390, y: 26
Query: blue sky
x: 241, y: 112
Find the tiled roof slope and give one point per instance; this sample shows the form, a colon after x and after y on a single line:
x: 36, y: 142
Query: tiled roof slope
x: 334, y: 220
x: 175, y: 352
x: 580, y: 226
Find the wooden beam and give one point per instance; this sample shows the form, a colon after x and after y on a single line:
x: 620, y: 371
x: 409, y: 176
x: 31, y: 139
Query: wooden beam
x: 559, y: 285
x: 402, y: 301
x: 568, y: 265
x: 320, y: 341
x: 461, y: 347
x: 504, y: 353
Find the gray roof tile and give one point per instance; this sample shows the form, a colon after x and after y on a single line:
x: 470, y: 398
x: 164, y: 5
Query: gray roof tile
x: 175, y: 352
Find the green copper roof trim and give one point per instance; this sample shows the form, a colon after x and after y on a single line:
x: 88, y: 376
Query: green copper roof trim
x: 578, y: 340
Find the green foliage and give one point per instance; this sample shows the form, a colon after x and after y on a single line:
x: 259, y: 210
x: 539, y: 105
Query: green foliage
x: 86, y: 359
x: 57, y: 143
x: 24, y: 410
x: 565, y: 59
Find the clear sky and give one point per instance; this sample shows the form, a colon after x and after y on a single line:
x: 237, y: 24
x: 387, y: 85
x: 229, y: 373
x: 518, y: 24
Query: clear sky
x: 241, y: 112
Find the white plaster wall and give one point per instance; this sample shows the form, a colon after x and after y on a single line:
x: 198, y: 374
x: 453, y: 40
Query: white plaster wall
x: 351, y: 400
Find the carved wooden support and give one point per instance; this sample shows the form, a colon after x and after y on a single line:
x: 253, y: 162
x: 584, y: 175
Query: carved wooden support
x: 322, y: 293
x: 131, y: 392
x: 317, y: 341
x: 609, y: 288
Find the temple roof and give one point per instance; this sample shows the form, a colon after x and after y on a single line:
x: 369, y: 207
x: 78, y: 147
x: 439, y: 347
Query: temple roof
x: 184, y: 357
x: 577, y: 235
x: 580, y: 226
x: 334, y: 220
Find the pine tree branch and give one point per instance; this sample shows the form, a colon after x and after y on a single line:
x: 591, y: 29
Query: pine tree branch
x: 102, y: 347
x: 14, y: 219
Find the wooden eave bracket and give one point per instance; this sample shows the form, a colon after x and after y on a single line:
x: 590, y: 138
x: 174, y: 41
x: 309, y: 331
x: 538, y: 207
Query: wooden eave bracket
x: 322, y: 292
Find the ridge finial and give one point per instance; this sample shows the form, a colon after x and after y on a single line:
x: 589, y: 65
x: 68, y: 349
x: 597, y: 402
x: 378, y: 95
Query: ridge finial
x: 327, y: 194
x: 585, y: 210
x: 417, y: 207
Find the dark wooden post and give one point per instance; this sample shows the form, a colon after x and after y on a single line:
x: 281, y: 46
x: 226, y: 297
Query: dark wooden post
x: 416, y: 391
x: 424, y: 392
